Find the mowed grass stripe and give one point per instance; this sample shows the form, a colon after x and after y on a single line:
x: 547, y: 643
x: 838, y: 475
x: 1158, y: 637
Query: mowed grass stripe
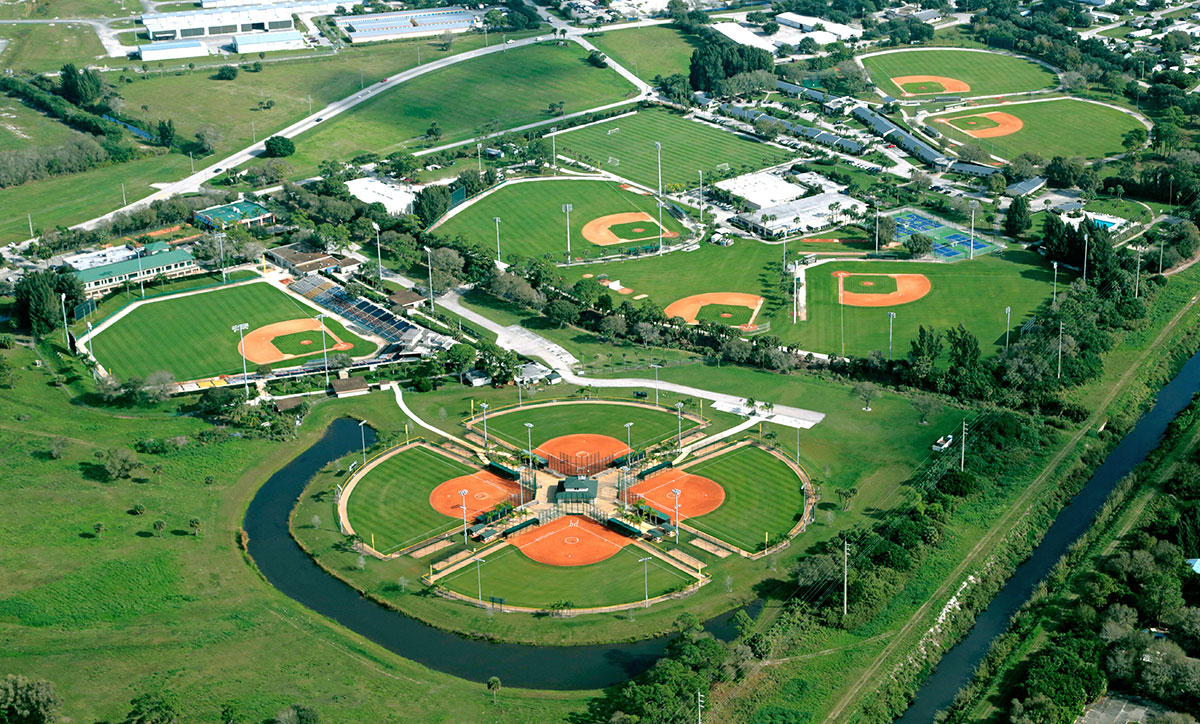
x: 649, y: 425
x: 392, y: 501
x: 762, y: 494
x: 1065, y: 127
x: 687, y: 148
x: 532, y: 222
x: 521, y: 581
x: 986, y: 73
x: 191, y: 336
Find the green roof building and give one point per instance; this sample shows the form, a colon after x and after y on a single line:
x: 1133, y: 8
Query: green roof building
x: 246, y: 213
x: 171, y: 264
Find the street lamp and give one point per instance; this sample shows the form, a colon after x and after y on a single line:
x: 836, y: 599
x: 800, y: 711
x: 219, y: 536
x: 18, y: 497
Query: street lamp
x: 676, y: 492
x: 478, y: 577
x: 479, y: 156
x: 429, y: 263
x: 974, y: 205
x: 1055, y: 282
x: 629, y: 436
x: 891, y: 318
x: 324, y: 348
x: 62, y: 300
x: 656, y: 368
x: 241, y: 330
x: 362, y: 431
x: 497, y: 220
x: 567, y: 210
x: 679, y: 422
x: 484, y: 406
x: 553, y: 151
x: 646, y: 578
x: 1007, y: 325
x: 463, y: 493
x: 529, y: 441
x: 701, y: 196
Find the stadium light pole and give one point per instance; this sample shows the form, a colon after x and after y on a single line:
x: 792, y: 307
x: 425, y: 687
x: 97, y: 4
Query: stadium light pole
x: 497, y: 220
x: 362, y: 431
x: 123, y: 201
x: 629, y: 436
x: 845, y: 573
x: 62, y: 299
x: 567, y: 210
x: 529, y: 441
x: 221, y: 251
x: 378, y: 251
x: 974, y: 206
x: 1060, y: 335
x: 429, y: 263
x: 463, y: 493
x: 679, y: 422
x: 192, y: 161
x: 141, y: 279
x: 795, y: 298
x: 891, y: 319
x: 1007, y: 325
x: 676, y: 492
x: 479, y: 157
x: 1055, y: 282
x: 241, y: 330
x: 701, y: 171
x: 656, y: 368
x: 876, y: 202
x: 1085, y: 256
x: 553, y: 151
x: 484, y: 406
x: 324, y: 347
x: 1137, y: 276
x: 658, y: 149
x: 646, y: 578
x: 479, y: 577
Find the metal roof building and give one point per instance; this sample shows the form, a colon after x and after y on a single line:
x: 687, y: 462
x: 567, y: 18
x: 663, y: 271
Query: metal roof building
x: 407, y: 24
x: 812, y: 213
x: 232, y: 20
x: 172, y: 50
x: 266, y: 42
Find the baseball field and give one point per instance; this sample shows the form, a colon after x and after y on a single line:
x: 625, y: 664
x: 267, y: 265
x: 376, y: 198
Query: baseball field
x: 625, y: 147
x: 762, y: 495
x: 974, y: 292
x: 1059, y: 127
x: 532, y: 222
x: 955, y: 72
x: 191, y: 336
x: 549, y: 421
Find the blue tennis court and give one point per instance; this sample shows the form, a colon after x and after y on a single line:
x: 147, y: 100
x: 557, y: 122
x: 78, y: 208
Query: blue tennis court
x: 949, y: 244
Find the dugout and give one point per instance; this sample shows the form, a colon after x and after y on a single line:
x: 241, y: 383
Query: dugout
x: 520, y: 526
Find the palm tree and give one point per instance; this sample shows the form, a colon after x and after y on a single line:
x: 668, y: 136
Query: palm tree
x: 209, y: 481
x: 159, y: 526
x: 493, y: 686
x: 194, y: 524
x: 157, y: 469
x: 99, y: 528
x: 847, y: 494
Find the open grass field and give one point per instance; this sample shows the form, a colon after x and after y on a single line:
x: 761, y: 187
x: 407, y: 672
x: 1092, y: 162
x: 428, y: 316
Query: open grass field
x: 762, y: 495
x: 972, y: 292
x: 532, y: 222
x: 649, y: 425
x: 50, y: 9
x: 512, y: 88
x: 520, y: 581
x: 190, y: 336
x: 22, y: 127
x: 1062, y: 127
x: 985, y: 73
x: 687, y: 148
x: 392, y: 501
x: 656, y: 50
x: 46, y: 47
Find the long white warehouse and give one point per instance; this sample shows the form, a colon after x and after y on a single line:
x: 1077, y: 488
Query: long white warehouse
x: 408, y: 24
x: 230, y: 21
x: 172, y: 50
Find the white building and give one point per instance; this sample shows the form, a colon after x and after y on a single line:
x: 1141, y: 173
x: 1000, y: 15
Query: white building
x: 801, y: 216
x: 172, y: 50
x: 408, y: 24
x: 395, y: 199
x: 744, y: 36
x: 100, y: 257
x: 267, y: 42
x: 762, y: 189
x: 809, y: 23
x: 233, y: 20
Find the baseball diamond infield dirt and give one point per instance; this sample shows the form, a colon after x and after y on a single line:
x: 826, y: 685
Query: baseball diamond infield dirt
x: 571, y: 540
x: 599, y: 231
x: 689, y: 307
x: 909, y: 288
x: 697, y: 494
x: 583, y: 445
x: 949, y: 85
x: 484, y: 490
x: 1006, y: 124
x: 258, y: 349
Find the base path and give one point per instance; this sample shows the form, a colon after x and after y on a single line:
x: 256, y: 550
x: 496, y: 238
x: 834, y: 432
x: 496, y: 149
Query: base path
x: 580, y: 446
x: 949, y: 85
x: 484, y: 491
x: 909, y: 288
x: 571, y: 540
x: 1006, y: 124
x: 257, y: 346
x: 599, y: 231
x: 697, y: 494
x: 689, y: 307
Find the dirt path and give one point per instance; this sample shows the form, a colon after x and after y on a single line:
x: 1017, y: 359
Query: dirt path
x: 871, y: 676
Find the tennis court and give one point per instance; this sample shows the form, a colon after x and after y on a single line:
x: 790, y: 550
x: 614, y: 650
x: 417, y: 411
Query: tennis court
x: 949, y: 244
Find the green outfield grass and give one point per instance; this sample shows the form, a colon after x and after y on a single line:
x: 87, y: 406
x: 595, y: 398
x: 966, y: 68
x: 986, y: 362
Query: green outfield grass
x: 520, y: 581
x: 46, y: 47
x: 649, y: 425
x: 687, y: 148
x: 1065, y: 127
x: 713, y: 312
x: 392, y: 501
x: 986, y: 73
x: 973, y: 123
x: 656, y: 50
x: 972, y: 292
x: 532, y: 222
x: 512, y: 88
x: 22, y: 127
x: 762, y: 495
x: 296, y: 343
x: 870, y: 285
x: 190, y: 336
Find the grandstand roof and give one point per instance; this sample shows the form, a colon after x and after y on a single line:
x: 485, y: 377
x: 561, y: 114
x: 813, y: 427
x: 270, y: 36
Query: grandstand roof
x: 228, y: 214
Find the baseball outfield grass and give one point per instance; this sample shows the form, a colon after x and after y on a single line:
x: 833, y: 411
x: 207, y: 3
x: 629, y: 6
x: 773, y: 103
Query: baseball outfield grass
x: 649, y: 425
x: 190, y: 336
x: 973, y: 292
x: 625, y: 147
x: 532, y: 222
x: 1060, y: 127
x: 762, y: 496
x: 511, y: 88
x: 391, y: 502
x: 651, y: 51
x: 520, y: 581
x: 985, y: 73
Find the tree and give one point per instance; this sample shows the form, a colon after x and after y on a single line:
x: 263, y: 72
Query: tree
x: 846, y: 495
x: 207, y: 138
x: 493, y: 685
x: 926, y: 349
x: 446, y: 39
x: 83, y: 88
x: 58, y: 447
x: 562, y: 312
x: 151, y: 709
x: 597, y: 59
x: 1017, y: 220
x: 280, y: 147
x: 119, y: 463
x: 459, y: 359
x: 973, y: 153
x: 99, y: 528
x: 431, y: 202
x: 1134, y: 139
x: 612, y: 327
x: 926, y: 406
x: 921, y: 181
x: 918, y: 245
x: 28, y: 701
x: 865, y: 391
x: 227, y: 72
x: 159, y: 526
x: 166, y: 132
x: 194, y: 524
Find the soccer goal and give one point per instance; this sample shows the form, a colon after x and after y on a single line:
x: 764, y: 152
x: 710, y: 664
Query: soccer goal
x: 611, y: 131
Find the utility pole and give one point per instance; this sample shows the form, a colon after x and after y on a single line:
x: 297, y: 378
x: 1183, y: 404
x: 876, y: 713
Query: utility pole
x: 845, y: 575
x: 479, y: 156
x: 463, y: 493
x: 1085, y: 256
x: 699, y: 707
x: 876, y: 225
x: 484, y: 407
x: 701, y: 196
x: 1137, y: 277
x: 241, y: 330
x: 567, y: 210
x: 1007, y: 325
x: 658, y: 150
x: 497, y: 220
x: 429, y: 262
x: 123, y: 201
x: 62, y: 299
x: 891, y: 318
x: 962, y: 460
x: 1060, y: 335
x: 324, y: 347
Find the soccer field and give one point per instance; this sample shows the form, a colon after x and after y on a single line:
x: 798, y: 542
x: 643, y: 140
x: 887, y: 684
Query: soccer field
x: 391, y: 502
x: 687, y: 148
x: 190, y: 336
x: 974, y: 292
x: 985, y: 73
x: 1062, y: 127
x: 649, y: 425
x: 649, y: 51
x: 520, y: 581
x: 762, y: 495
x: 532, y: 222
